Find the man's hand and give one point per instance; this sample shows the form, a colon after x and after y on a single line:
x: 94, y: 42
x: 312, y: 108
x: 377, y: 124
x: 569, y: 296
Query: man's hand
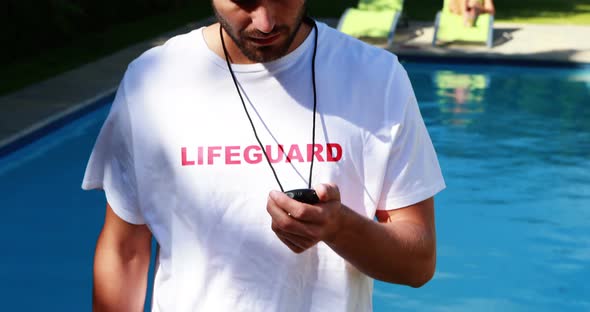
x: 300, y: 226
x: 400, y: 249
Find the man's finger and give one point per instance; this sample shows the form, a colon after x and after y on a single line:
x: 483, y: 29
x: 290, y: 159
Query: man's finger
x: 282, y: 219
x: 299, y: 240
x: 293, y: 247
x: 292, y: 208
x: 283, y: 223
x: 327, y: 192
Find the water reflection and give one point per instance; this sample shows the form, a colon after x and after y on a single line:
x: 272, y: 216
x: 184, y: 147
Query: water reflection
x: 514, y: 223
x: 460, y: 96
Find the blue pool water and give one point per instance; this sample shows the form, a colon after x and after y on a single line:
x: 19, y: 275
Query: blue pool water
x: 513, y: 225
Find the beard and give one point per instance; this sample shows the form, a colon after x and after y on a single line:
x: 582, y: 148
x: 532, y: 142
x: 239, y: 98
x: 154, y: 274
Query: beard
x: 263, y: 54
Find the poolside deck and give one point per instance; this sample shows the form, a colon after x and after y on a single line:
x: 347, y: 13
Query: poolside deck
x: 33, y: 108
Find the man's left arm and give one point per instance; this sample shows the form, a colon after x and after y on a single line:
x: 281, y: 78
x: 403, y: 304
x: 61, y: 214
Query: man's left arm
x: 400, y: 248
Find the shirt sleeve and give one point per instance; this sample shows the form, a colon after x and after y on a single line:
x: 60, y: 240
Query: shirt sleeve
x: 111, y: 165
x: 413, y: 172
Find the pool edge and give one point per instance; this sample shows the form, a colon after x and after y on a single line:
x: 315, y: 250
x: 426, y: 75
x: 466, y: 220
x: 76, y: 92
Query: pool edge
x: 478, y: 59
x: 54, y: 122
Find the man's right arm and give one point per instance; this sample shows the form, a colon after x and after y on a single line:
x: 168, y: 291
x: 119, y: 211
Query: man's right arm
x: 121, y: 263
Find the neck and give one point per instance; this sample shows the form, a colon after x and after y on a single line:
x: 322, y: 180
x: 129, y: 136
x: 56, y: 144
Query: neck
x: 213, y: 41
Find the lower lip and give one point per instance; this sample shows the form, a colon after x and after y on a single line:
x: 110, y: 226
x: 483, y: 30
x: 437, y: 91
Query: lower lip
x: 265, y: 41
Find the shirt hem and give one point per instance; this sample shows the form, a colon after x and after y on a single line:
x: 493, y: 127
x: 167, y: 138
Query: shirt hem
x: 401, y: 202
x: 114, y: 202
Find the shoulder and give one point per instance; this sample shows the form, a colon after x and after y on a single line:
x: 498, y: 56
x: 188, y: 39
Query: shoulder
x: 346, y: 52
x: 352, y: 61
x: 369, y: 79
x: 168, y: 63
x: 176, y: 49
x: 175, y: 53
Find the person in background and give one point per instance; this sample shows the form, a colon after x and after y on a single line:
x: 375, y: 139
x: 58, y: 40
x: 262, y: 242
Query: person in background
x: 179, y: 161
x: 471, y: 9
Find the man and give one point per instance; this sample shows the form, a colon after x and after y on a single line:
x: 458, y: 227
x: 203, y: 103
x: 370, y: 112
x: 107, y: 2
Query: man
x: 186, y: 154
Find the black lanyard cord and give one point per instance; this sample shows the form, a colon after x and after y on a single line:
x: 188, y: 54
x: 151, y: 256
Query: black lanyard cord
x: 250, y: 119
x: 315, y: 100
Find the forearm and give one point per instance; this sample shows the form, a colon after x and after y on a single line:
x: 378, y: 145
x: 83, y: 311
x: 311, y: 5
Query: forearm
x: 399, y: 252
x: 120, y: 278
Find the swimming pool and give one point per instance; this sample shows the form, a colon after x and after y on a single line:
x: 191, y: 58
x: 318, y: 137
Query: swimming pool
x: 513, y: 225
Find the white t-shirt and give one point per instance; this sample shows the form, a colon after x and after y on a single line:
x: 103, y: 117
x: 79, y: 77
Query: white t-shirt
x: 178, y: 153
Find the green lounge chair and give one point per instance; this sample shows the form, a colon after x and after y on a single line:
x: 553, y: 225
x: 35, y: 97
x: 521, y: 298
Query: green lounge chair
x: 449, y: 27
x: 372, y: 19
